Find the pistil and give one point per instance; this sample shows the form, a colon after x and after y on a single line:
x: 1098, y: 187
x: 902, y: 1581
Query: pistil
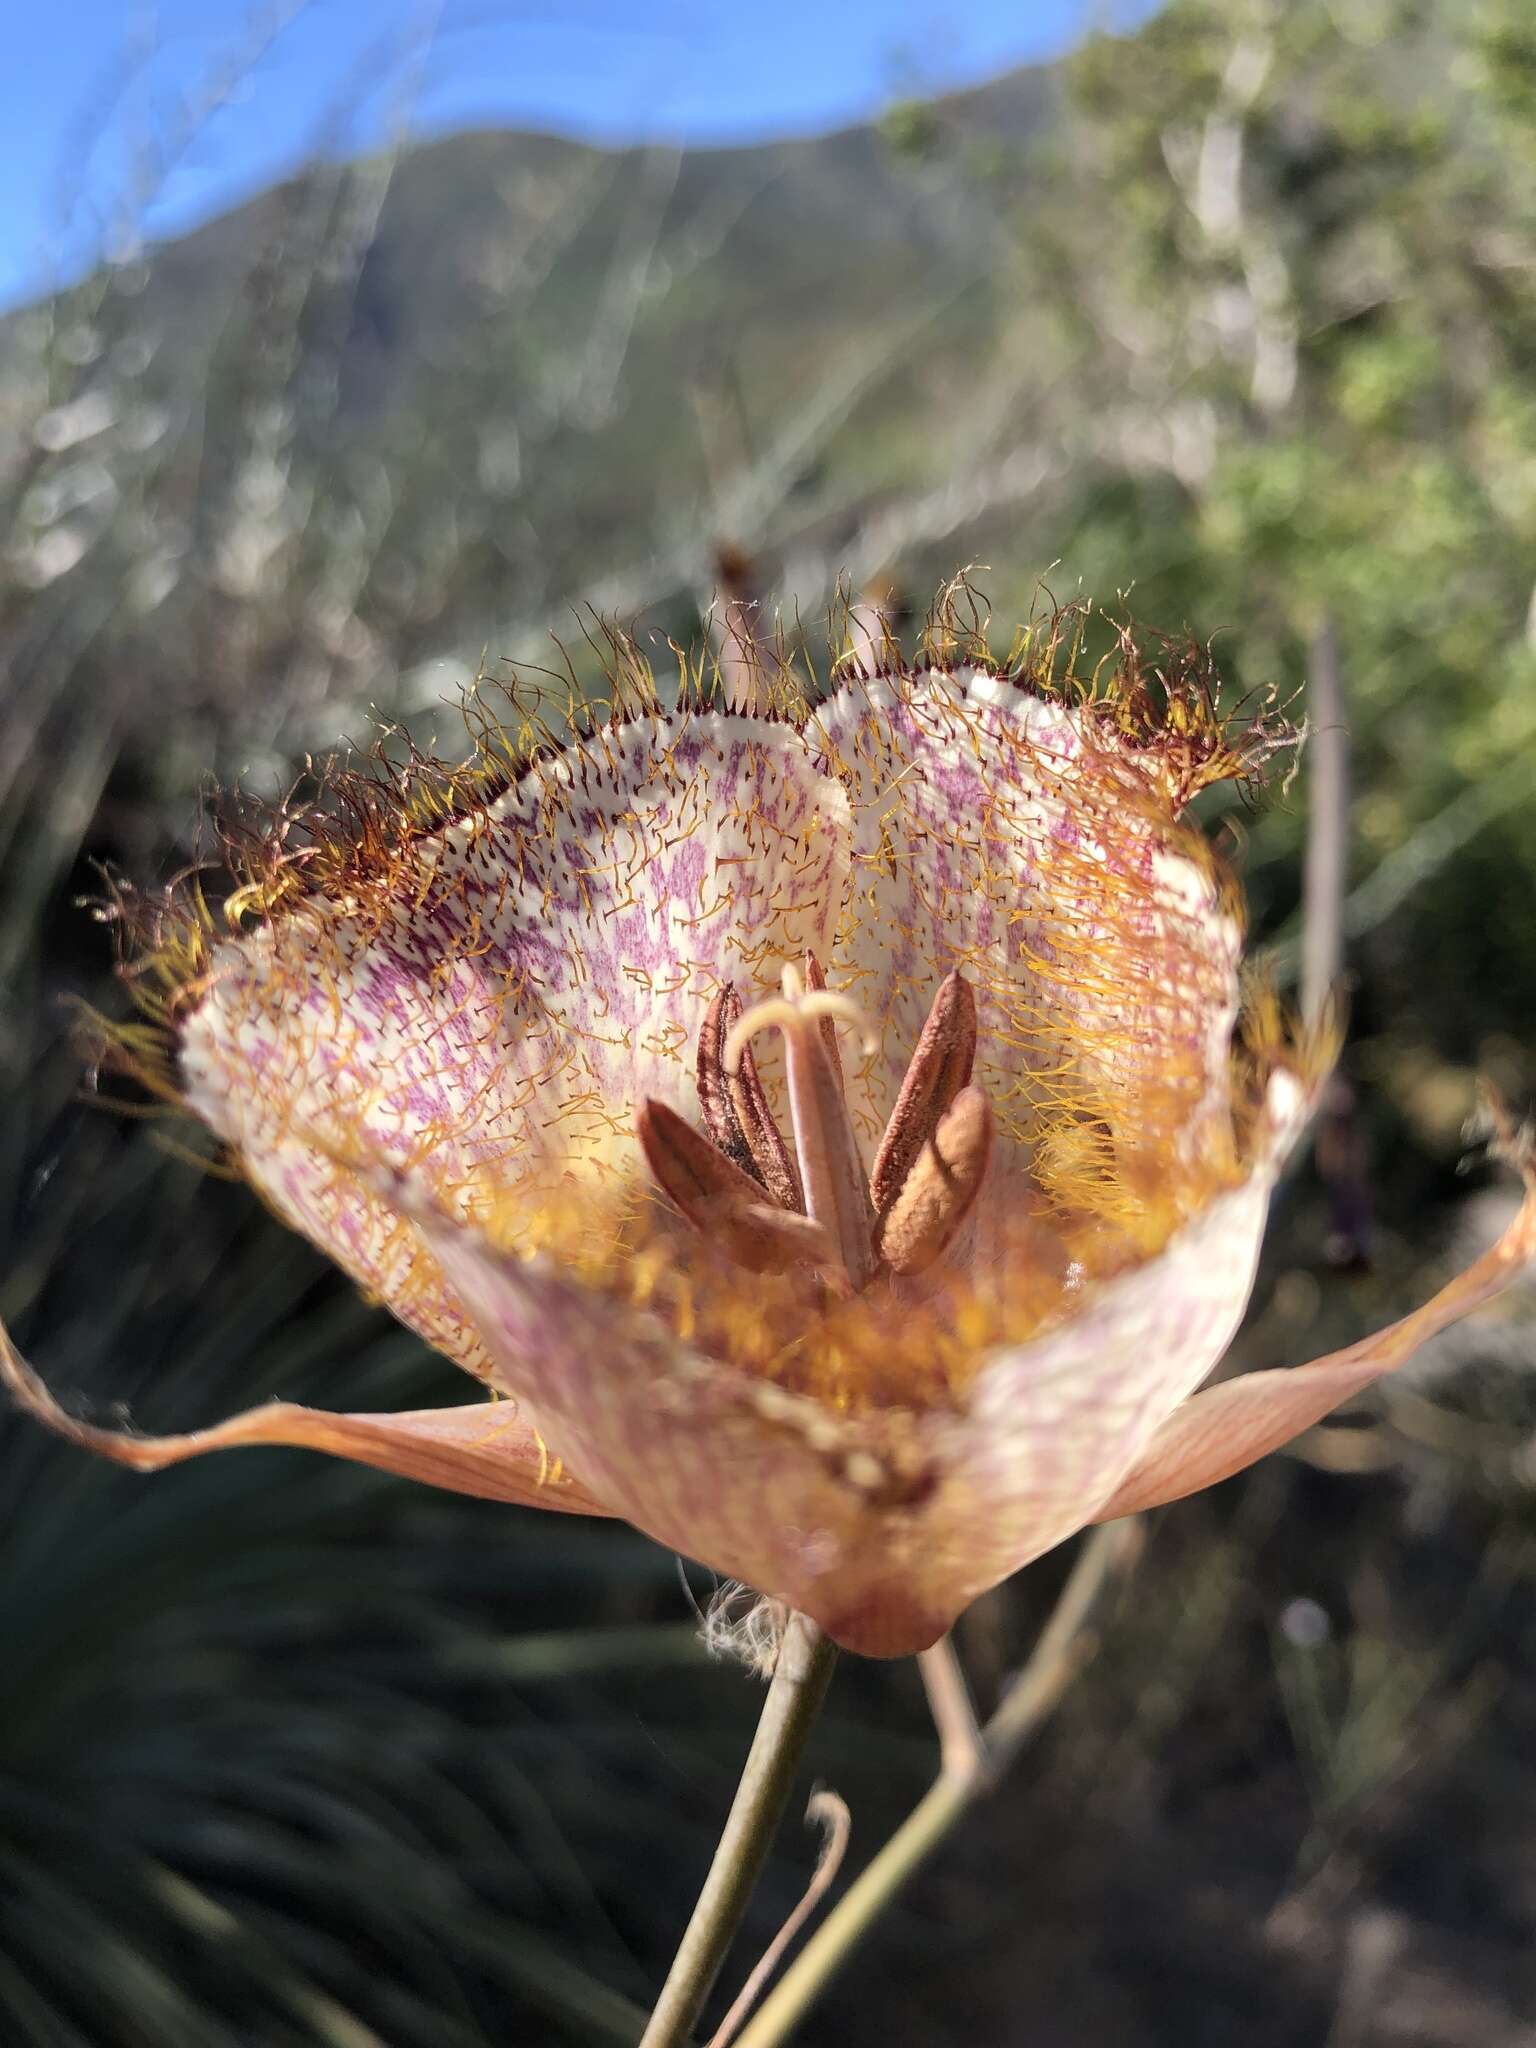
x: 831, y: 1172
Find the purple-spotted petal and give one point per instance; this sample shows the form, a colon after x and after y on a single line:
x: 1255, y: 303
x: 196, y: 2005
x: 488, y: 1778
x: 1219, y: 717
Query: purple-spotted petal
x: 765, y: 1486
x: 883, y: 1525
x: 1054, y: 1424
x: 492, y: 1007
x: 1026, y: 843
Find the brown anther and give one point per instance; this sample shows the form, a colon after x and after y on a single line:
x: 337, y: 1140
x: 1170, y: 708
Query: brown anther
x: 940, y: 1187
x: 720, y: 1118
x: 939, y: 1069
x: 722, y: 1201
x: 816, y: 979
x: 736, y: 1111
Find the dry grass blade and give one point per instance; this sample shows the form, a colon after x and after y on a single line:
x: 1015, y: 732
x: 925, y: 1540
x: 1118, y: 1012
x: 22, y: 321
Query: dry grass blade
x: 830, y: 1813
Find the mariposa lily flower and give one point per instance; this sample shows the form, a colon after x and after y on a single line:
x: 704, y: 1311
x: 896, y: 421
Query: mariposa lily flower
x: 830, y: 1125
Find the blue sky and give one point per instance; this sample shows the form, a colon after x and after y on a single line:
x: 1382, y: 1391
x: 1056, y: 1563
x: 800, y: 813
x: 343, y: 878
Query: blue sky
x: 101, y: 140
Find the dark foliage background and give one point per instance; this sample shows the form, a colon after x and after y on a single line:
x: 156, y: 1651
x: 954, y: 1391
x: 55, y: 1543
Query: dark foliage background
x: 1239, y: 311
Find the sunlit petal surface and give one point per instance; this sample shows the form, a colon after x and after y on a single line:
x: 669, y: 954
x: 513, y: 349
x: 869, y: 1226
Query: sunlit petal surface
x: 886, y: 1523
x: 488, y: 1001
x: 1011, y: 837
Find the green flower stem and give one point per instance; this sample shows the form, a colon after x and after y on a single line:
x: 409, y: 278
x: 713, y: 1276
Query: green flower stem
x: 795, y: 1694
x: 1065, y: 1645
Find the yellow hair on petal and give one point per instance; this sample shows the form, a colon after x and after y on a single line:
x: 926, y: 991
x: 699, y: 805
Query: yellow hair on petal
x: 1106, y: 981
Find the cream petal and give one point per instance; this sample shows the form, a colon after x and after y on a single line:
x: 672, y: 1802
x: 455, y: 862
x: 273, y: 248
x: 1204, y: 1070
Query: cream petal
x: 762, y: 1485
x: 483, y: 1448
x: 513, y: 985
x: 885, y: 1525
x: 1025, y: 843
x: 1219, y: 1432
x: 1053, y: 1425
